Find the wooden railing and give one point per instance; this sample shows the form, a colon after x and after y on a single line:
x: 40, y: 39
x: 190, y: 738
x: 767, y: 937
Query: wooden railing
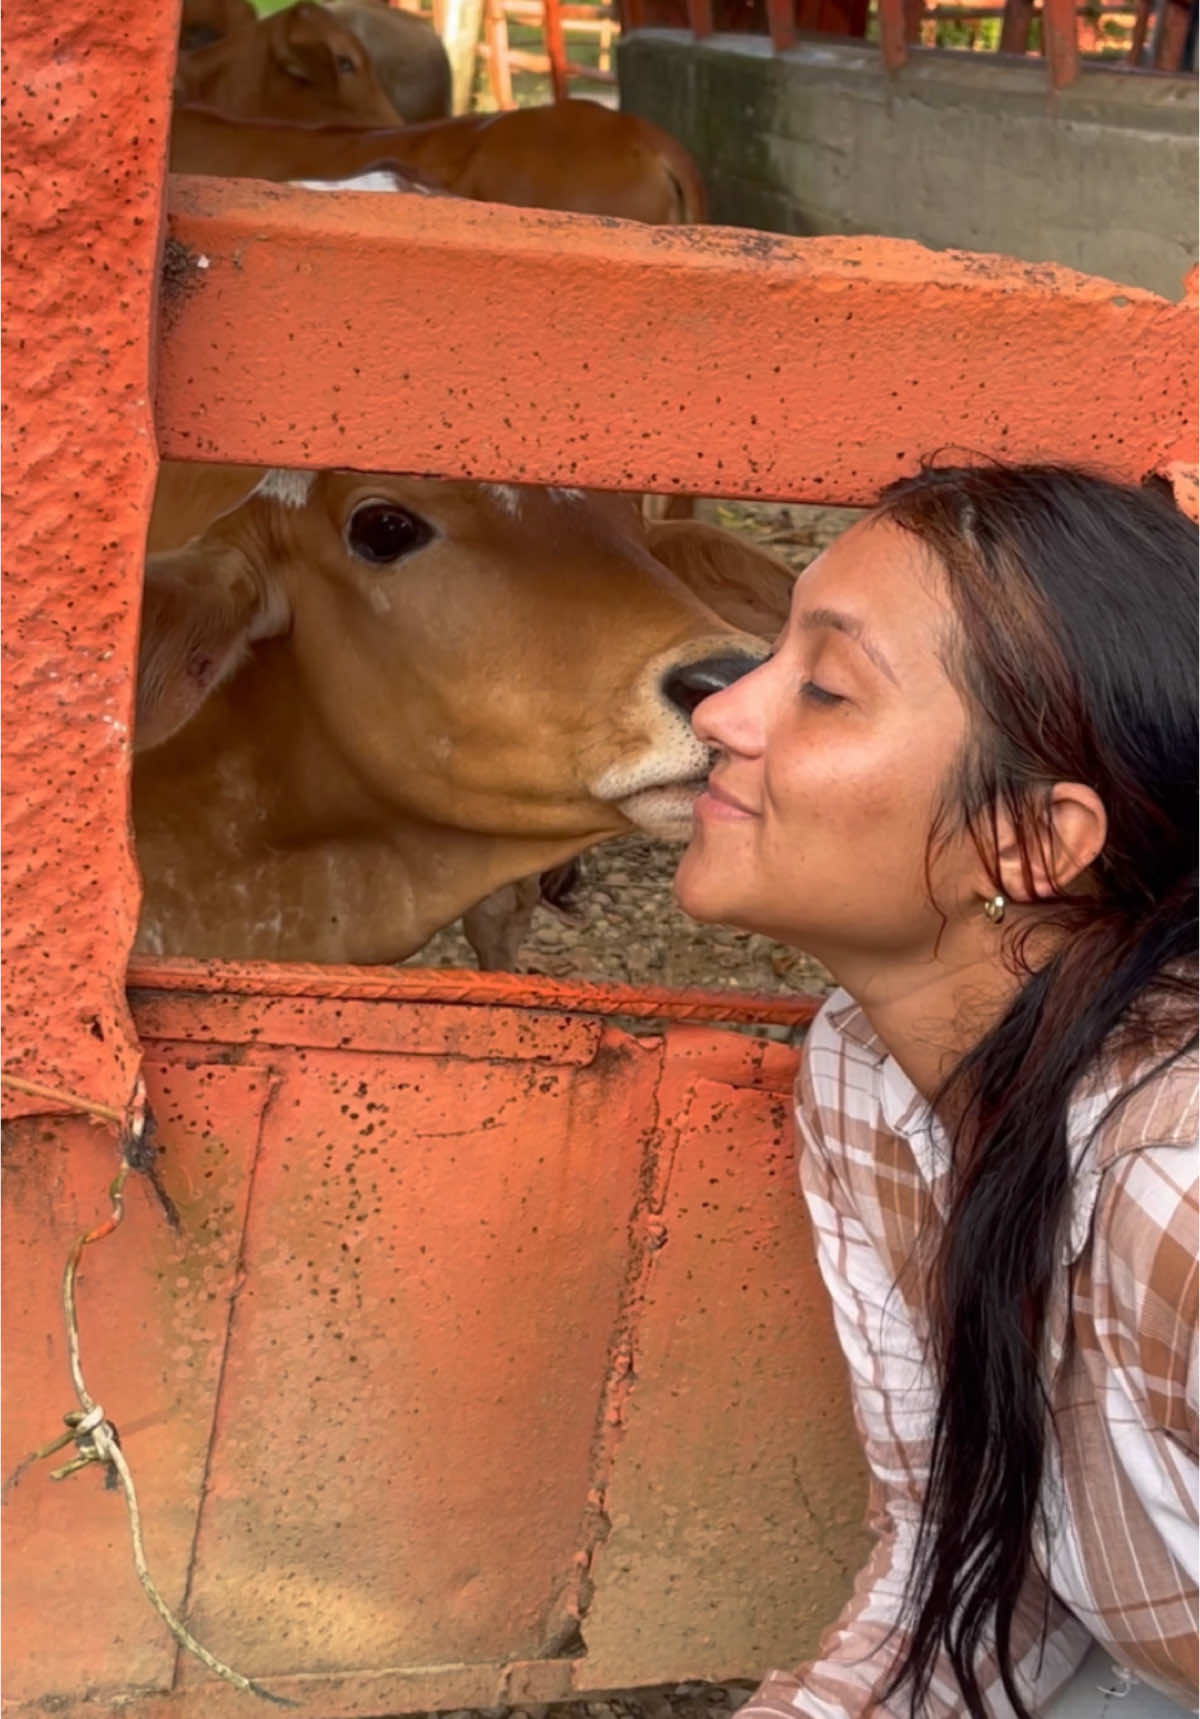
x: 1157, y: 29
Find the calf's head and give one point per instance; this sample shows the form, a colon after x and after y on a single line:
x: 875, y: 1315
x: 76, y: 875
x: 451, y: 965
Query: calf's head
x: 301, y: 66
x: 203, y: 22
x: 319, y: 72
x: 510, y: 661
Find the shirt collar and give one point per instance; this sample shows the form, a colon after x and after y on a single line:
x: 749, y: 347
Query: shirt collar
x: 905, y: 1112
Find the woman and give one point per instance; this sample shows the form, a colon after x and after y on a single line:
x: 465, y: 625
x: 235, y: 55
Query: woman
x: 966, y: 781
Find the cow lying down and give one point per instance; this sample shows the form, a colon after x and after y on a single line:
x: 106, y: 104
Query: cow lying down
x: 572, y: 155
x: 366, y: 702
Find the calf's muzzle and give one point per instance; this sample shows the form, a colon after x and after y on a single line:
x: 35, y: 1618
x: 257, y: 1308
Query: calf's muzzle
x: 689, y: 684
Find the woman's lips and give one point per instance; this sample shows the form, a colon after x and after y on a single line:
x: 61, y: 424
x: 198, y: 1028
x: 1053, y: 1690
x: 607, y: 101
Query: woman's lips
x: 718, y: 804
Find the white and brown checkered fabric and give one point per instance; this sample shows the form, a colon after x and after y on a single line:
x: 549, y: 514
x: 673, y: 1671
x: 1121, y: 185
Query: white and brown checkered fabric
x: 1121, y: 1497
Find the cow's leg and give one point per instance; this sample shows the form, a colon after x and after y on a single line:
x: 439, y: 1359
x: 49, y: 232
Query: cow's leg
x: 497, y: 926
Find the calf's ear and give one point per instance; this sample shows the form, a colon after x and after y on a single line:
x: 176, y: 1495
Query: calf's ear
x: 748, y: 587
x: 202, y: 608
x: 309, y: 43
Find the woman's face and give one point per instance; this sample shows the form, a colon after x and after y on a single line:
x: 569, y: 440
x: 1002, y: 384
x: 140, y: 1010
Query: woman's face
x: 832, y: 759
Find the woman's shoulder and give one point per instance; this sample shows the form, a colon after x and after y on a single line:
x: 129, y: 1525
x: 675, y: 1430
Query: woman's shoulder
x: 1157, y: 1105
x: 1148, y: 1195
x: 1142, y: 1266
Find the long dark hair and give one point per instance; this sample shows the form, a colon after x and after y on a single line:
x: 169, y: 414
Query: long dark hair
x: 1076, y: 608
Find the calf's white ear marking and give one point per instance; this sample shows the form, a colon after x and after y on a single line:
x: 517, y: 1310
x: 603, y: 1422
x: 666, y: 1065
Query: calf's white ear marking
x: 507, y: 495
x: 291, y: 488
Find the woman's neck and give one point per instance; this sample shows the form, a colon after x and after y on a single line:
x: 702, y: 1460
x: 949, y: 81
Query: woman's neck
x: 929, y: 1013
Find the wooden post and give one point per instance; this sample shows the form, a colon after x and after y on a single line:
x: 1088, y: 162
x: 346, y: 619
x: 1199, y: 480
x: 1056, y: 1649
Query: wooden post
x: 1141, y: 25
x: 1014, y: 31
x: 781, y: 21
x: 893, y: 33
x: 556, y: 48
x: 700, y: 17
x: 461, y: 32
x: 1171, y: 36
x: 495, y: 30
x: 1060, y: 44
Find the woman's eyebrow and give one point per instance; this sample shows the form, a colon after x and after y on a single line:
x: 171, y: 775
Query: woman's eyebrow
x: 853, y: 629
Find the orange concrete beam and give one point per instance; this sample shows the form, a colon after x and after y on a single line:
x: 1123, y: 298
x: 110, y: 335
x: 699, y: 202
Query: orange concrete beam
x: 462, y: 339
x: 202, y: 979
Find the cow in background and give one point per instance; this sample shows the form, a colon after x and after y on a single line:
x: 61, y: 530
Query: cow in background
x: 575, y: 156
x: 203, y: 22
x: 410, y: 62
x: 302, y: 66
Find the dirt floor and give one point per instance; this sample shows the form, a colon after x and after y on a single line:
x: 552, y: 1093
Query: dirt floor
x: 624, y: 923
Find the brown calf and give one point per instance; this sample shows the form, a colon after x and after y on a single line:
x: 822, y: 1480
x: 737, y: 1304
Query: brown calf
x: 302, y: 66
x: 749, y: 588
x: 576, y: 156
x: 203, y: 22
x: 367, y: 701
x: 410, y: 62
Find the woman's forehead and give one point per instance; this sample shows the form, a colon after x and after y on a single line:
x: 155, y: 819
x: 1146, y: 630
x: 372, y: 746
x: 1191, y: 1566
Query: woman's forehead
x: 882, y: 575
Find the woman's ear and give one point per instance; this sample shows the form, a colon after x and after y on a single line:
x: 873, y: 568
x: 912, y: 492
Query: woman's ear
x: 1068, y: 834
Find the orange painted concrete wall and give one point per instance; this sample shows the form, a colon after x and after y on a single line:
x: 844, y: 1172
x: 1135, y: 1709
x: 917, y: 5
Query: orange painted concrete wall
x: 86, y: 109
x: 490, y: 1361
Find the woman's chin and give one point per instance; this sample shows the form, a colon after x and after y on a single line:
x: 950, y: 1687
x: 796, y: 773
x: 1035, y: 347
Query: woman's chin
x: 702, y: 888
x: 717, y: 894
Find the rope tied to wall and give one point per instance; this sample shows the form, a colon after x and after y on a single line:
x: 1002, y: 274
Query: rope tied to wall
x: 95, y: 1438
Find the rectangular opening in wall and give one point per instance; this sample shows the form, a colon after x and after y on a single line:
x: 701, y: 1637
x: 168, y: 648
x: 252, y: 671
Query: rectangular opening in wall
x: 390, y: 721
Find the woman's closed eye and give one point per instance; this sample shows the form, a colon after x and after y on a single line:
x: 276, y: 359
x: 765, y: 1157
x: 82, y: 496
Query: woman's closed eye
x: 817, y: 694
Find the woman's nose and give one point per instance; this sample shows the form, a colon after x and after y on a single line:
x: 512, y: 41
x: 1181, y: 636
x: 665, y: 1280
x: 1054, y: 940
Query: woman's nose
x: 732, y: 719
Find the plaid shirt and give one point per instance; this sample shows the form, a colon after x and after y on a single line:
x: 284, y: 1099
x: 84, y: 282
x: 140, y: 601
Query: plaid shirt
x: 1121, y: 1488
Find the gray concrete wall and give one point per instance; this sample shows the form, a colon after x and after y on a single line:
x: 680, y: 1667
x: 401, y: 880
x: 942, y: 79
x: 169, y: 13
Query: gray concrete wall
x: 956, y: 150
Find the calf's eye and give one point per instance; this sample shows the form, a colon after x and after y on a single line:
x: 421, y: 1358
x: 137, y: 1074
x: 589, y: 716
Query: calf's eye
x: 345, y: 64
x: 381, y: 532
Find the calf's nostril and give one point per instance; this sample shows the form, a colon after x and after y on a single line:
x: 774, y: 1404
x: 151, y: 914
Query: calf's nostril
x: 689, y: 684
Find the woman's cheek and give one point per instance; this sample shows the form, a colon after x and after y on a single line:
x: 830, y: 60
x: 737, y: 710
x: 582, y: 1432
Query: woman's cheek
x: 830, y: 782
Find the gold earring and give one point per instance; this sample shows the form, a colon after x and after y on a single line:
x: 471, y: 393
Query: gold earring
x: 994, y: 907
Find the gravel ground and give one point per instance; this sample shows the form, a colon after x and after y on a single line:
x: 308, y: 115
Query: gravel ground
x: 672, y: 1701
x: 624, y: 924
